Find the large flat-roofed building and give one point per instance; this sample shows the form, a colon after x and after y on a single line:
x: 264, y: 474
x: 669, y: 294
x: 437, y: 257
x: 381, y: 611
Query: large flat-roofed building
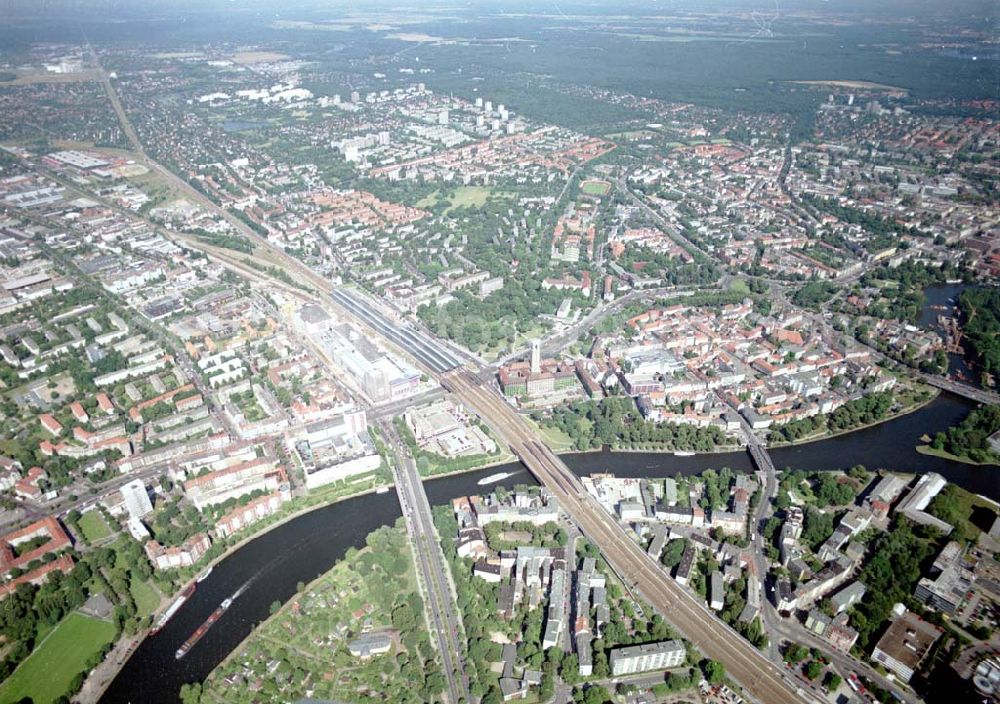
x: 927, y: 487
x: 519, y: 379
x: 648, y: 656
x: 446, y: 429
x: 905, y: 644
x: 334, y: 449
x: 950, y: 582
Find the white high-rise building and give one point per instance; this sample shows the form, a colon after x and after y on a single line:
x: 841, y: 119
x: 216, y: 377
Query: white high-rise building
x: 536, y: 356
x: 136, y: 499
x: 443, y: 117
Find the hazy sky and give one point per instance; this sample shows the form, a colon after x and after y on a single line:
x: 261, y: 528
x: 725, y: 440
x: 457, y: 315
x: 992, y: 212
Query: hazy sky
x: 108, y: 8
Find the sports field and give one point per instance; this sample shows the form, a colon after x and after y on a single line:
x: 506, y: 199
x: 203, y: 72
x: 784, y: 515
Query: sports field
x: 595, y: 188
x: 47, y: 673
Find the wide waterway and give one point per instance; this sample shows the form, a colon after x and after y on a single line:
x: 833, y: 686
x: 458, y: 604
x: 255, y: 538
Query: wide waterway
x: 304, y: 548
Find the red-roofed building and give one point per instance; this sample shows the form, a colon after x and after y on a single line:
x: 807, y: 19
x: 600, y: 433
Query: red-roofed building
x: 63, y: 563
x: 28, y: 488
x: 50, y: 424
x: 104, y: 403
x: 77, y: 409
x: 49, y: 527
x: 185, y: 555
x: 243, y: 516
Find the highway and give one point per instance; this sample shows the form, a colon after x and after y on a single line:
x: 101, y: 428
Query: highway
x: 445, y: 622
x: 743, y: 662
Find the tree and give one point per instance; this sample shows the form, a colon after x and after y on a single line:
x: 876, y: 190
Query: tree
x: 714, y: 671
x: 795, y: 653
x: 813, y: 669
x: 832, y: 681
x: 673, y: 553
x: 596, y: 695
x: 191, y: 693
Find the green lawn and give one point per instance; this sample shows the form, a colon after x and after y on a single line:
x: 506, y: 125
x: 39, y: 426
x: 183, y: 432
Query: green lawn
x: 739, y: 285
x: 48, y: 671
x: 557, y: 440
x: 146, y: 598
x: 93, y: 526
x: 462, y: 196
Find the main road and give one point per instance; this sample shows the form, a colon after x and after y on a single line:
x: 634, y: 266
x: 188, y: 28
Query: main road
x: 445, y: 622
x: 716, y: 640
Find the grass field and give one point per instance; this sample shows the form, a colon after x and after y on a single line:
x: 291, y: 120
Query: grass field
x: 462, y: 196
x: 146, y: 598
x: 596, y: 188
x: 740, y: 285
x: 93, y: 526
x: 48, y: 671
x: 557, y: 440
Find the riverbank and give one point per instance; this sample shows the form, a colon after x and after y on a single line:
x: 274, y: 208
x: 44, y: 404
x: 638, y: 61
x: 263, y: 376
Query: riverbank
x: 830, y: 434
x: 945, y: 455
x: 370, y: 590
x: 94, y: 692
x: 503, y: 458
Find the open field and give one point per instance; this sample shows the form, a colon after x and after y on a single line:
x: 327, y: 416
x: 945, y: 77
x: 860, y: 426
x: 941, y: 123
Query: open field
x: 857, y: 85
x: 32, y: 76
x: 304, y: 24
x: 258, y: 57
x: 146, y: 597
x: 596, y: 188
x: 177, y: 55
x: 462, y: 196
x: 557, y: 440
x: 93, y: 526
x: 48, y: 671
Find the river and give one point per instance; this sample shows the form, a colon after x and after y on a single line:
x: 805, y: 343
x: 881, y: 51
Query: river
x: 305, y: 547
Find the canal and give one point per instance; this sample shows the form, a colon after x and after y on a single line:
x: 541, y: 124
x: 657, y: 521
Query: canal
x: 302, y: 549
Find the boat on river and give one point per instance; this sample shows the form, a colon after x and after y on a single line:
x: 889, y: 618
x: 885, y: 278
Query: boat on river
x: 494, y: 478
x: 172, y: 609
x: 200, y: 632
